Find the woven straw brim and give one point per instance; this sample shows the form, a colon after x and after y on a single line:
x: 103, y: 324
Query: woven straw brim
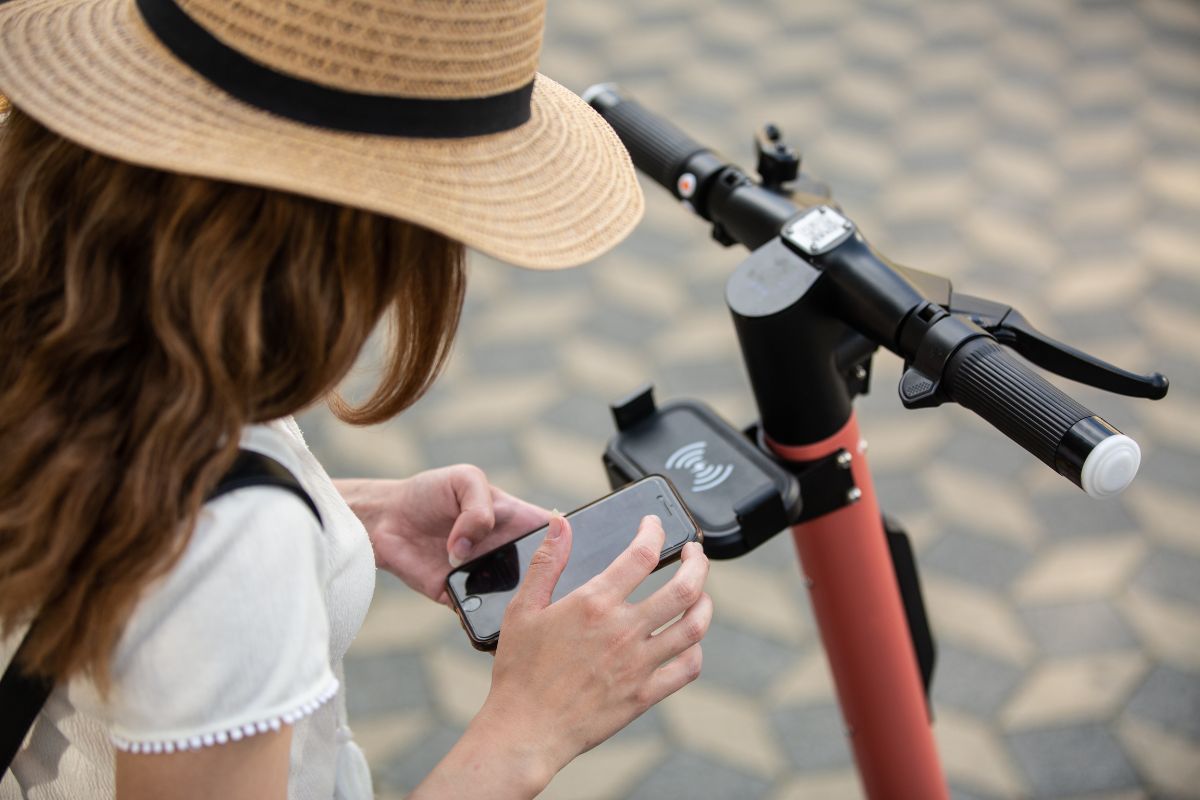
x: 557, y: 191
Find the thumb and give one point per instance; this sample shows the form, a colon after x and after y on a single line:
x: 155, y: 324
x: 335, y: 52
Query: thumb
x: 545, y: 566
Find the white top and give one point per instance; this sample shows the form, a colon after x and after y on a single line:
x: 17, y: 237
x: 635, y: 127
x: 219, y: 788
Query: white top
x: 246, y: 633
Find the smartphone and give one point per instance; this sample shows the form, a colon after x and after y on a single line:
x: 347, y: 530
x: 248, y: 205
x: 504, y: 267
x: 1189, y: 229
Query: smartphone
x: 482, y: 588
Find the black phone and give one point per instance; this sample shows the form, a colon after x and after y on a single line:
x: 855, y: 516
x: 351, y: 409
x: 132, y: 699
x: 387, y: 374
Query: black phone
x: 482, y: 588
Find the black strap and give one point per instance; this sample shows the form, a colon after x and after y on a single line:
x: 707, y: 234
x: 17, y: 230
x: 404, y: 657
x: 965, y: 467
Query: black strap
x: 23, y: 695
x: 255, y: 469
x: 315, y: 104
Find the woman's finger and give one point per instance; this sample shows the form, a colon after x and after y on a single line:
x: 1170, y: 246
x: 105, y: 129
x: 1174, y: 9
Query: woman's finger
x: 514, y: 517
x: 545, y: 567
x: 476, y: 517
x: 684, y: 632
x: 637, y: 561
x: 678, y: 594
x: 673, y: 676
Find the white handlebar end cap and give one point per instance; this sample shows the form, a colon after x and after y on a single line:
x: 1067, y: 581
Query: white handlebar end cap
x: 589, y: 94
x: 1111, y: 466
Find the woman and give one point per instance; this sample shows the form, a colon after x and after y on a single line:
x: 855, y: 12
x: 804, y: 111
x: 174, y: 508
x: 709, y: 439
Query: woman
x: 205, y: 208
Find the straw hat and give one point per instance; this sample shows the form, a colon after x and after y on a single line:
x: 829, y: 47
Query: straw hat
x: 427, y: 110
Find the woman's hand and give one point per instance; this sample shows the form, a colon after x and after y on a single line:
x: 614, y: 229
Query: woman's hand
x: 422, y: 526
x: 569, y: 675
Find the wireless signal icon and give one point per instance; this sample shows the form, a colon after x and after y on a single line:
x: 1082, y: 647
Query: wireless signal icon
x: 705, y: 476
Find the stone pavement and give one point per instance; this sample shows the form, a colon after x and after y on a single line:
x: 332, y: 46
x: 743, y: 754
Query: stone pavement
x: 1045, y: 154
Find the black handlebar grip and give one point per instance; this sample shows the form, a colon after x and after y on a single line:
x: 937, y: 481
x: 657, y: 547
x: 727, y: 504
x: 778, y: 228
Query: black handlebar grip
x: 1037, y: 415
x: 657, y: 147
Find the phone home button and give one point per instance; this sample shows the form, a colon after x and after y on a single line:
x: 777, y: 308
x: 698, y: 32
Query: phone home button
x: 471, y: 602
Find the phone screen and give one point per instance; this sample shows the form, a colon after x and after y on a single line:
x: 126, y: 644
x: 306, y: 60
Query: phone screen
x: 601, y: 531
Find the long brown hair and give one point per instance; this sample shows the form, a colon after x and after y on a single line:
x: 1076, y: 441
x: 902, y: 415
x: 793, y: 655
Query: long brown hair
x: 145, y: 318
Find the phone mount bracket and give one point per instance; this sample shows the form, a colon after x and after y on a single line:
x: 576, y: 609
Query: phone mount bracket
x: 738, y: 492
x: 826, y: 484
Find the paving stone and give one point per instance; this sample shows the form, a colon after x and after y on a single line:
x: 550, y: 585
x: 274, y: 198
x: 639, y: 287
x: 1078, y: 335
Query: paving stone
x: 1080, y: 569
x: 688, y: 776
x: 972, y: 501
x: 401, y: 619
x: 1054, y: 761
x: 975, y: 449
x: 596, y: 365
x: 654, y: 292
x: 904, y: 440
x: 1096, y: 284
x: 761, y: 601
x: 631, y: 327
x: 607, y: 771
x: 1095, y: 324
x: 704, y: 336
x: 779, y: 554
x: 987, y: 561
x: 583, y: 414
x: 1169, y: 698
x: 723, y: 726
x: 385, y: 682
x: 813, y: 736
x: 959, y: 793
x: 840, y: 784
x: 649, y: 725
x: 507, y: 358
x: 406, y: 770
x: 734, y: 658
x: 1172, y: 423
x: 970, y: 681
x: 372, y: 453
x: 1082, y: 688
x: 567, y: 466
x: 1077, y: 628
x: 900, y: 493
x: 384, y: 737
x: 806, y: 682
x: 975, y: 619
x: 698, y: 379
x: 1171, y: 575
x: 1170, y: 763
x: 1171, y: 631
x: 501, y: 401
x: 491, y: 452
x: 531, y: 316
x: 974, y: 756
x: 1076, y: 514
x: 460, y: 682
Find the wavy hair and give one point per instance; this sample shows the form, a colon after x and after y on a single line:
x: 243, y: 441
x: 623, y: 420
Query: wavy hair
x: 145, y: 318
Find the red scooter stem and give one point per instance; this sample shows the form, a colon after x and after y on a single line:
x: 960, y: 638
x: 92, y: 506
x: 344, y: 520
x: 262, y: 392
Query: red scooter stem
x: 856, y: 600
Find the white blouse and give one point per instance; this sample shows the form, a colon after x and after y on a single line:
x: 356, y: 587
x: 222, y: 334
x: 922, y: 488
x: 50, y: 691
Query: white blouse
x: 245, y: 634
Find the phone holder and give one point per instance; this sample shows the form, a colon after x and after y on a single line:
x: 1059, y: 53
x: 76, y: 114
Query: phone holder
x: 738, y: 494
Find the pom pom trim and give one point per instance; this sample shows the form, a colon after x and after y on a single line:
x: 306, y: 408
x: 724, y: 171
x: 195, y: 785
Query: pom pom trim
x: 225, y: 735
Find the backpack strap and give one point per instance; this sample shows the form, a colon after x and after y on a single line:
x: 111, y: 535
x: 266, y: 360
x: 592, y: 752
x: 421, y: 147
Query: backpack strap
x: 251, y: 468
x: 23, y: 695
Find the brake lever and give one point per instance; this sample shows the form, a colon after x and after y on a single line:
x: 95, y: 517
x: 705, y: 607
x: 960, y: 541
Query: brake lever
x: 1011, y: 328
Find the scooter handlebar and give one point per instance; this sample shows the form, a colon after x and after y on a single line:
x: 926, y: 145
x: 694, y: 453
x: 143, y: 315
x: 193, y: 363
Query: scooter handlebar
x: 1035, y: 414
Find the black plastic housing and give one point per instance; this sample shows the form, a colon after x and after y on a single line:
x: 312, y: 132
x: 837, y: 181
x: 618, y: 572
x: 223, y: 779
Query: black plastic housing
x: 1023, y: 405
x: 789, y: 345
x: 739, y: 496
x: 657, y: 147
